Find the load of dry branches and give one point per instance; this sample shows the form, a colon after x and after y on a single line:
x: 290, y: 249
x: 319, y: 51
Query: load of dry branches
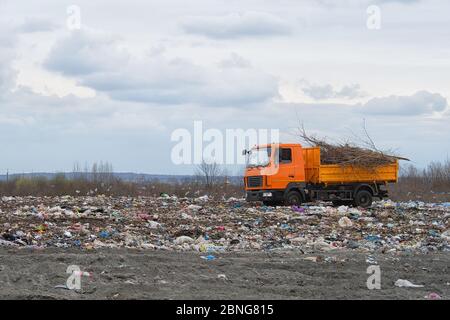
x: 350, y: 154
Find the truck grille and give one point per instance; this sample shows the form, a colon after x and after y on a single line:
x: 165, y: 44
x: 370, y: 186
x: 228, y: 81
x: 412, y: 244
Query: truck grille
x: 255, y: 181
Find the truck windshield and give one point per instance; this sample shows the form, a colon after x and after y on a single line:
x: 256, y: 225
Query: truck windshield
x: 259, y: 157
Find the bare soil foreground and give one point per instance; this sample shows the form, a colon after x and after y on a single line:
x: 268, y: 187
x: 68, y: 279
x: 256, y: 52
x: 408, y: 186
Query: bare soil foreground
x: 143, y: 274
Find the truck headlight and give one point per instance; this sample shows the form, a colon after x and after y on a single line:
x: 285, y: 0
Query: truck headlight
x: 267, y: 194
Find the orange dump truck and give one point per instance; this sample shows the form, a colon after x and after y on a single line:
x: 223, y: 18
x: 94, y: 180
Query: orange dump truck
x: 291, y: 174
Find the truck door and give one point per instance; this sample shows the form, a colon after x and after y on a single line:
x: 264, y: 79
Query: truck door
x: 286, y: 168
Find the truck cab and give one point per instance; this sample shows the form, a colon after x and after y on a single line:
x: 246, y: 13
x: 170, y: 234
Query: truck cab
x: 271, y: 169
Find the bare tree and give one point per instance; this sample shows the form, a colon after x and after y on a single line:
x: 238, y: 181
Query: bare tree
x: 208, y: 173
x: 105, y: 170
x: 94, y: 172
x: 77, y: 171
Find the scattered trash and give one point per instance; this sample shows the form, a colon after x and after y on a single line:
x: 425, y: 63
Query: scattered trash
x: 194, y: 207
x: 345, y: 222
x: 153, y: 225
x: 8, y: 243
x: 183, y: 239
x: 208, y: 257
x: 298, y: 209
x: 222, y: 277
x: 401, y: 283
x: 371, y: 260
x: 144, y: 216
x: 284, y: 226
x: 433, y: 296
x: 67, y: 234
x: 446, y: 235
x: 209, y: 247
x: 433, y: 233
x: 185, y: 216
x: 61, y: 286
x: 104, y: 234
x: 207, y: 225
x: 372, y: 238
x: 313, y: 259
x: 203, y: 198
x: 342, y: 209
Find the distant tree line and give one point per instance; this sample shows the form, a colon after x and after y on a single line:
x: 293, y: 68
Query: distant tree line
x: 429, y: 184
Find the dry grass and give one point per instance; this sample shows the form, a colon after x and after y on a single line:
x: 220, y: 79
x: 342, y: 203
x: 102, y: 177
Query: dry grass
x: 60, y: 185
x: 431, y: 184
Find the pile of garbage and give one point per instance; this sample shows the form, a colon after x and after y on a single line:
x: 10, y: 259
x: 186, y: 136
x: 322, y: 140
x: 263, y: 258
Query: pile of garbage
x: 206, y: 225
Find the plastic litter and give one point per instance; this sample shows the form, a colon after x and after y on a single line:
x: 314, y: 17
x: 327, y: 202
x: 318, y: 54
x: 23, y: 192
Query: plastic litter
x: 183, y: 239
x: 371, y: 260
x: 342, y: 209
x: 298, y: 209
x: 345, y: 222
x: 222, y: 277
x: 208, y: 225
x: 194, y: 207
x: 104, y: 234
x: 153, y: 225
x: 401, y: 283
x: 313, y: 259
x: 433, y: 296
x: 67, y: 234
x: 208, y: 257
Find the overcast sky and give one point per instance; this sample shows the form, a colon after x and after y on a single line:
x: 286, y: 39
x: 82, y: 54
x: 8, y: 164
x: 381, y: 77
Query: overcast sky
x: 116, y: 88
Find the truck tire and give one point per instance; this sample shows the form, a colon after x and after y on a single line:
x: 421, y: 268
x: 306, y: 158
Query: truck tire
x: 363, y: 198
x: 293, y: 198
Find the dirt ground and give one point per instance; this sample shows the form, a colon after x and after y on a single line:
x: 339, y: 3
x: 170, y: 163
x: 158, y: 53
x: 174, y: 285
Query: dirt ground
x: 145, y: 274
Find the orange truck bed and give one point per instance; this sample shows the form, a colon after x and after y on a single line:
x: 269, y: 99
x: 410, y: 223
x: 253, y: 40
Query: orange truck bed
x: 315, y: 172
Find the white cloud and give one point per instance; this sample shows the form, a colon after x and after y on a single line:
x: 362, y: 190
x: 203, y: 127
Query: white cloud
x: 399, y: 1
x: 326, y: 91
x: 420, y: 103
x: 7, y: 55
x: 235, y: 61
x: 36, y: 24
x: 99, y: 63
x: 236, y: 25
x: 86, y: 52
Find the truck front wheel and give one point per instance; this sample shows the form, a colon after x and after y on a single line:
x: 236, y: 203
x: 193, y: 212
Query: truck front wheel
x: 363, y: 198
x: 293, y: 198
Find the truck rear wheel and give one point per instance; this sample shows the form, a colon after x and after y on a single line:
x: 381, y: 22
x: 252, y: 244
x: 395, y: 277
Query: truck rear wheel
x: 293, y: 198
x: 363, y: 198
